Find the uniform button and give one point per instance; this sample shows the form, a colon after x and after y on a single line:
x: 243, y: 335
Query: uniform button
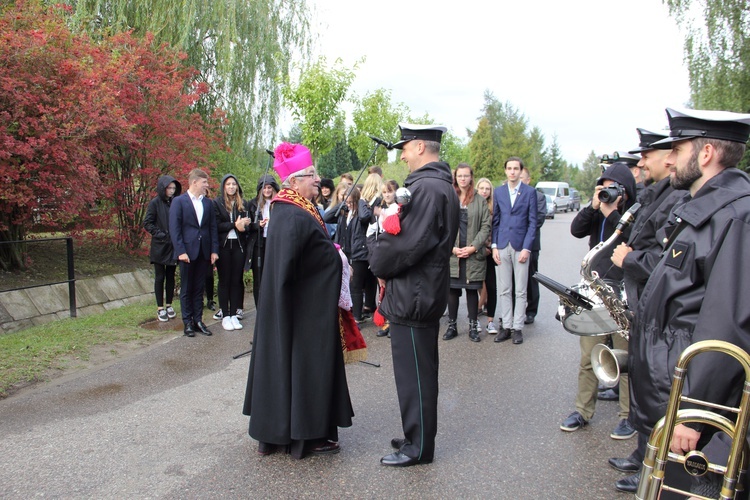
x: 665, y: 240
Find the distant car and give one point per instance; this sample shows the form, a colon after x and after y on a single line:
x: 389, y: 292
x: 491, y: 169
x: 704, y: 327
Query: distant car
x: 575, y: 199
x: 560, y: 192
x: 551, y: 206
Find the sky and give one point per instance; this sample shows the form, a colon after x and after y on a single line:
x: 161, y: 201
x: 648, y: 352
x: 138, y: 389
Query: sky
x: 588, y: 71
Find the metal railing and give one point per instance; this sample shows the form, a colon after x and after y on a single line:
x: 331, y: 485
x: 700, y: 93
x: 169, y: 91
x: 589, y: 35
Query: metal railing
x: 71, y: 281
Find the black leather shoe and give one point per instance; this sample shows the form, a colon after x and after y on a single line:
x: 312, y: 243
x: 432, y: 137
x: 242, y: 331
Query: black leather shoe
x: 451, y: 332
x: 624, y: 464
x: 202, y: 328
x: 397, y: 443
x: 628, y: 484
x: 503, y: 335
x: 529, y: 319
x: 383, y: 331
x: 188, y: 331
x: 325, y: 448
x: 607, y: 395
x: 517, y: 337
x: 398, y: 459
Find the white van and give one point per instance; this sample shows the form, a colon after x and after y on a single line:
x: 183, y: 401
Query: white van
x: 559, y: 191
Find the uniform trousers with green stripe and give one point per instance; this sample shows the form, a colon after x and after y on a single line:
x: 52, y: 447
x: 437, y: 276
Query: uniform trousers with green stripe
x: 415, y: 367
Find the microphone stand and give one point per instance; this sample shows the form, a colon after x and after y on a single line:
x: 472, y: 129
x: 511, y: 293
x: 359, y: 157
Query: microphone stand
x: 349, y: 191
x: 257, y: 216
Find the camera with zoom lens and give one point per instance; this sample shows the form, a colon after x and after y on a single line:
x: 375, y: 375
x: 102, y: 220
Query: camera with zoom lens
x: 610, y: 193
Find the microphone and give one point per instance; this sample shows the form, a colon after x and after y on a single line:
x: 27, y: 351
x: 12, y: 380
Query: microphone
x: 270, y: 153
x: 386, y: 145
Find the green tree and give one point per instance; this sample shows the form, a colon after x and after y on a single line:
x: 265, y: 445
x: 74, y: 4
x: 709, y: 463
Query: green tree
x: 338, y: 160
x: 454, y: 150
x: 555, y: 167
x: 717, y: 52
x: 585, y: 178
x: 484, y: 155
x: 315, y: 100
x: 239, y: 47
x: 374, y: 114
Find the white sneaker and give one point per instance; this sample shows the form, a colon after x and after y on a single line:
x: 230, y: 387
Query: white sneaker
x: 240, y: 314
x: 218, y: 314
x: 227, y: 324
x: 491, y: 328
x: 235, y: 323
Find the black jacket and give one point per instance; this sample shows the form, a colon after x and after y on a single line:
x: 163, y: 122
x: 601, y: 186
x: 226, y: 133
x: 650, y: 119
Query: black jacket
x: 656, y: 201
x: 225, y: 220
x: 156, y: 222
x: 592, y: 223
x: 415, y: 262
x: 541, y: 216
x: 356, y: 249
x: 699, y: 290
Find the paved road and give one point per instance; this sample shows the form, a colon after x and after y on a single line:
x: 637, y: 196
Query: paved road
x: 167, y: 422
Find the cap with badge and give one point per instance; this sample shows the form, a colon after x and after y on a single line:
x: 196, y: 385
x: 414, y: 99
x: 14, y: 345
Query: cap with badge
x: 627, y: 158
x: 412, y: 132
x: 645, y: 139
x: 693, y: 123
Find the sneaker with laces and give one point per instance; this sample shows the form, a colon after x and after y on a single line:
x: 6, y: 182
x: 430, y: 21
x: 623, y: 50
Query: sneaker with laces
x: 227, y: 324
x: 623, y: 430
x: 161, y: 315
x: 236, y: 323
x: 574, y: 422
x: 170, y: 312
x: 491, y: 328
x: 240, y: 314
x: 218, y: 315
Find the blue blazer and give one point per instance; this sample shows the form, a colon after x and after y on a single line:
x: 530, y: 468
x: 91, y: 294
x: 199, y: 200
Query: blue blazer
x: 187, y: 235
x: 516, y: 225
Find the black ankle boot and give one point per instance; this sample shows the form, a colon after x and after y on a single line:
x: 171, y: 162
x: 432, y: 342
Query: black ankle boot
x: 474, y: 330
x: 452, y: 331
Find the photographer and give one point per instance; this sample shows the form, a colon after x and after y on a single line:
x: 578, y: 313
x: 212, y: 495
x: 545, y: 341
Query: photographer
x: 614, y: 194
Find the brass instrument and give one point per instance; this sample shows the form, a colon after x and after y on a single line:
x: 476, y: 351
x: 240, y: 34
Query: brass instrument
x: 651, y: 481
x: 597, y: 307
x: 594, y: 307
x: 616, y: 307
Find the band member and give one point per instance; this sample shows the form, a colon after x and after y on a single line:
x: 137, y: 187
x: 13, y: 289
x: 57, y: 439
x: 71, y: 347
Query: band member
x: 415, y: 265
x: 699, y: 289
x: 639, y: 256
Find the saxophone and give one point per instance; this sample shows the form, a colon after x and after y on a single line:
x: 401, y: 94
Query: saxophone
x: 616, y: 307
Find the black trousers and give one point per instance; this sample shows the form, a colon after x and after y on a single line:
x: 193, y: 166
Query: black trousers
x: 532, y: 288
x: 192, y: 283
x: 259, y: 257
x: 229, y: 266
x: 490, y: 281
x: 164, y: 274
x: 415, y: 367
x: 357, y: 288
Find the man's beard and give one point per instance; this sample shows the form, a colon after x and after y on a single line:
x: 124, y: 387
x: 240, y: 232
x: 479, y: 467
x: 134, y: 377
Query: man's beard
x: 685, y: 178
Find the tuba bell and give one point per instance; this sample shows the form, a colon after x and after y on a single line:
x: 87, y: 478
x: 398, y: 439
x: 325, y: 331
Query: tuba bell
x: 651, y: 482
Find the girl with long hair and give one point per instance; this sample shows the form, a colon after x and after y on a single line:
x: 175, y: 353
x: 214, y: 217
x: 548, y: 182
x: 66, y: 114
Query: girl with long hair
x: 488, y: 297
x: 233, y: 223
x: 260, y: 211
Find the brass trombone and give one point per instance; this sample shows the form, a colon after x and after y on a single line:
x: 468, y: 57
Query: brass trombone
x: 651, y: 481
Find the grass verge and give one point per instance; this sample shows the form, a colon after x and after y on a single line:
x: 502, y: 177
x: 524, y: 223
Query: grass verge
x: 42, y: 352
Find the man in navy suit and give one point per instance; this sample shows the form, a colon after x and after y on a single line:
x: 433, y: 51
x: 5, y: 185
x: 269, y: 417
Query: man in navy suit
x: 514, y: 218
x: 192, y: 227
